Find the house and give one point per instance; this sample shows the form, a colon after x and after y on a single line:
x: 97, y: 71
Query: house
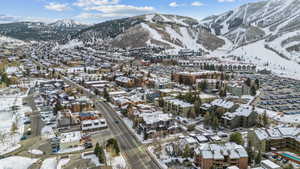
x: 245, y: 116
x: 219, y: 156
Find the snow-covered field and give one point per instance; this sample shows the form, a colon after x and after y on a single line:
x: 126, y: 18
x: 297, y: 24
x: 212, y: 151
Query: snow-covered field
x: 9, y: 139
x: 16, y: 162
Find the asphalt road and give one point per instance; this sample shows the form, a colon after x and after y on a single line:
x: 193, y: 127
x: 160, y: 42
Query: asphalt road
x: 36, y: 123
x: 137, y: 156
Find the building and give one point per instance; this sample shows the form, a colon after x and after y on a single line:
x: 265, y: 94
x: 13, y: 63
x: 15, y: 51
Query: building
x: 189, y: 78
x: 125, y: 81
x: 156, y: 124
x: 245, y: 116
x: 93, y: 125
x: 219, y: 65
x: 70, y: 139
x: 178, y: 107
x: 267, y: 164
x: 219, y: 156
x: 275, y: 139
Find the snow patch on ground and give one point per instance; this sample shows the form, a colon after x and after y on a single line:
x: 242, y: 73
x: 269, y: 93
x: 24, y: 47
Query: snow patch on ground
x: 49, y: 163
x: 36, y: 152
x: 9, y: 140
x: 16, y: 162
x: 94, y: 159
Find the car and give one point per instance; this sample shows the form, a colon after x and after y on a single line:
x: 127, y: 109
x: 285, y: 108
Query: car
x: 88, y: 145
x: 23, y: 138
x: 116, y: 121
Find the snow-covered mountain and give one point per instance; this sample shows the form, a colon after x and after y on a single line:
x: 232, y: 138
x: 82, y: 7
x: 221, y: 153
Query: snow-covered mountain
x: 168, y: 31
x: 266, y: 33
x: 275, y: 21
x: 66, y: 23
x: 60, y: 30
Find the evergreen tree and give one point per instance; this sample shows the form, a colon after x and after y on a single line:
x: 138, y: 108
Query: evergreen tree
x: 106, y: 94
x: 257, y: 83
x: 289, y: 166
x: 253, y: 91
x: 186, y: 151
x: 248, y: 82
x: 197, y: 105
x: 237, y: 138
x: 265, y: 119
x: 97, y: 148
x: 258, y: 158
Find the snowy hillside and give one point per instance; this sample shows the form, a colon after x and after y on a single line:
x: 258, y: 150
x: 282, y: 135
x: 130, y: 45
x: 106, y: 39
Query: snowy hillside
x: 266, y: 32
x: 168, y: 31
x: 277, y: 21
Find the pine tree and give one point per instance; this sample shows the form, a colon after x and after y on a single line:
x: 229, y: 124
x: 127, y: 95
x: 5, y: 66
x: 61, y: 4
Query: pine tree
x: 258, y: 158
x: 186, y: 151
x: 253, y: 91
x: 265, y: 119
x: 97, y: 148
x: 237, y: 138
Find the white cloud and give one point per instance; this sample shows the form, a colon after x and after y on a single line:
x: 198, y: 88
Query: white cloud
x: 197, y: 3
x: 173, y: 4
x: 89, y: 3
x: 57, y: 7
x: 115, y: 11
x: 226, y: 0
x: 121, y: 9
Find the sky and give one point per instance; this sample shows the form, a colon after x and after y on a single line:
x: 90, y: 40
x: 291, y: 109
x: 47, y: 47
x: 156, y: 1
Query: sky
x: 95, y: 11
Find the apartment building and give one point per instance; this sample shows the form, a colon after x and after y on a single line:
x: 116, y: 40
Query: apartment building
x: 219, y: 156
x: 275, y: 138
x: 178, y: 107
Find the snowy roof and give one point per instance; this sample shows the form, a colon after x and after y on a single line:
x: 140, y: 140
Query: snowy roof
x: 155, y: 117
x: 279, y: 132
x: 180, y: 103
x: 222, y: 103
x: 270, y: 164
x: 218, y: 151
x: 123, y: 79
x: 207, y: 154
x: 70, y: 137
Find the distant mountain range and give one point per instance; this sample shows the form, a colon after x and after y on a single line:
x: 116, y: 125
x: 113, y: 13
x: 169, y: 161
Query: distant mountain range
x: 60, y: 30
x: 275, y: 22
x: 168, y: 31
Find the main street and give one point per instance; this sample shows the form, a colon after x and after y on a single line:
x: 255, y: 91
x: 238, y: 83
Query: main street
x: 137, y: 156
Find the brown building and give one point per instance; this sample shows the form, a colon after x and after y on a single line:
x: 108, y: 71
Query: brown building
x: 189, y: 78
x: 219, y: 156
